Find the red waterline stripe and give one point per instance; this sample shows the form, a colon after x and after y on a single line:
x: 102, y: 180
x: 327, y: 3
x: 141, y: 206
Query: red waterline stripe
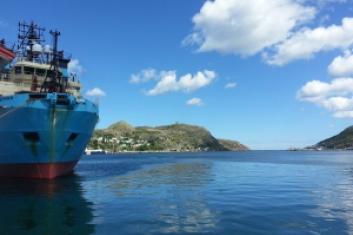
x: 37, y: 170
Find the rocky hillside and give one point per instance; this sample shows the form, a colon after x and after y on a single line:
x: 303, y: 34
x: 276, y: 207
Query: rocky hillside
x: 122, y: 136
x: 343, y: 140
x: 233, y: 145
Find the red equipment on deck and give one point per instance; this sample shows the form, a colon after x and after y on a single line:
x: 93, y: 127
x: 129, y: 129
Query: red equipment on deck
x: 6, y: 54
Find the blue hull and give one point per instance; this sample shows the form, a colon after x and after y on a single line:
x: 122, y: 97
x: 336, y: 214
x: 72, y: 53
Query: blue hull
x: 48, y: 132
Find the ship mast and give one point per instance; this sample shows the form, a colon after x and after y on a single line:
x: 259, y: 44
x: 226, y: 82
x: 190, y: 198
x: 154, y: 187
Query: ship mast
x: 30, y: 36
x: 53, y: 80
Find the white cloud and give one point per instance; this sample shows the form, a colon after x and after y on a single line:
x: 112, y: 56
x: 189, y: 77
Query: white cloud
x: 246, y: 27
x: 195, y: 102
x: 74, y: 67
x: 337, y: 96
x: 95, y: 92
x: 315, y: 88
x: 187, y: 83
x: 344, y: 114
x: 322, y: 2
x: 144, y: 76
x: 278, y: 29
x: 167, y: 83
x: 342, y: 65
x: 306, y: 42
x: 230, y: 85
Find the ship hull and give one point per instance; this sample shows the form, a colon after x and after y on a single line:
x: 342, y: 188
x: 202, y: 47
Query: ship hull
x: 37, y: 170
x: 41, y: 137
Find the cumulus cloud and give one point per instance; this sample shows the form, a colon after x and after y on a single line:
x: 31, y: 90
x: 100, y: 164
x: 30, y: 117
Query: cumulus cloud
x: 277, y: 29
x: 95, y: 92
x: 342, y: 65
x: 195, y: 102
x: 305, y: 43
x: 144, y: 76
x: 336, y: 96
x: 246, y: 27
x: 230, y: 85
x: 74, y: 67
x: 169, y: 82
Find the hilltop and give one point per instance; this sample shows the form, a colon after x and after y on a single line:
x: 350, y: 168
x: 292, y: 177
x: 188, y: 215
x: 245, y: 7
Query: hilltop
x: 343, y: 140
x: 122, y: 136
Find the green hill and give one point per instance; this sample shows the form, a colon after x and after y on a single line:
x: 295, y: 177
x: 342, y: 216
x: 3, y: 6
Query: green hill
x: 177, y: 137
x: 343, y: 140
x: 121, y: 128
x: 232, y: 145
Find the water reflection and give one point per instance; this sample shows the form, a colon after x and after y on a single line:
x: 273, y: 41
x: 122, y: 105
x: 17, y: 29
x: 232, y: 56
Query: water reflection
x: 176, y: 174
x: 168, y: 196
x: 44, y: 207
x: 335, y: 198
x: 191, y: 216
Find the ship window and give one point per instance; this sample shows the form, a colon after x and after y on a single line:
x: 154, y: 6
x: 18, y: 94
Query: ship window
x: 62, y: 101
x: 50, y: 73
x: 18, y: 70
x: 40, y: 72
x: 31, y: 136
x: 37, y: 96
x: 29, y: 70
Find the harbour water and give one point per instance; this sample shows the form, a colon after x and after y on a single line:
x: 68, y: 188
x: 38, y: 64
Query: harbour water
x: 255, y: 192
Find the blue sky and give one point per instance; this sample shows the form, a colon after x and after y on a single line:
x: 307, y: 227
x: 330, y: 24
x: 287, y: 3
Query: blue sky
x: 287, y: 63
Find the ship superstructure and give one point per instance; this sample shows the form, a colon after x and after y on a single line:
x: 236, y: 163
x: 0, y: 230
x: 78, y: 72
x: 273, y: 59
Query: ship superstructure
x: 45, y: 123
x: 37, y: 67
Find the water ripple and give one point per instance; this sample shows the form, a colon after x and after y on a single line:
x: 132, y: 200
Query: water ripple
x: 259, y: 192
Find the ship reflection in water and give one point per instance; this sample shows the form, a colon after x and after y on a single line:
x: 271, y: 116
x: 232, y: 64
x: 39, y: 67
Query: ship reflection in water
x: 44, y: 207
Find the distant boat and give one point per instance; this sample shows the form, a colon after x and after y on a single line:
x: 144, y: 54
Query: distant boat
x: 95, y: 151
x: 294, y: 149
x: 45, y: 123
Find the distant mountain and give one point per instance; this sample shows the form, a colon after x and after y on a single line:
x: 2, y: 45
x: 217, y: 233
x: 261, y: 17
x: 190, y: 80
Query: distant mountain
x: 343, y: 140
x: 121, y: 136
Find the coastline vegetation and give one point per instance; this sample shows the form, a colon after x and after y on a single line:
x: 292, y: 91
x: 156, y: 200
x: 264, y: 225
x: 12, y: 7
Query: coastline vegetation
x: 122, y: 137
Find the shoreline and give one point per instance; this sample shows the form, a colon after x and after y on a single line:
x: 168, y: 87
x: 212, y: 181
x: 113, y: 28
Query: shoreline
x: 184, y: 152
x: 163, y: 151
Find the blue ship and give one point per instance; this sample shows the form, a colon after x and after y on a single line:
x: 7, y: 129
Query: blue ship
x: 45, y: 123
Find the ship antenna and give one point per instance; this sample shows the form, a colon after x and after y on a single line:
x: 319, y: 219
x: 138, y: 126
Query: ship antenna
x: 54, y: 83
x: 55, y: 61
x: 28, y: 35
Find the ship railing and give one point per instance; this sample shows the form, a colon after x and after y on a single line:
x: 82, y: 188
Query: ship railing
x: 9, y: 83
x: 24, y: 59
x: 4, y: 76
